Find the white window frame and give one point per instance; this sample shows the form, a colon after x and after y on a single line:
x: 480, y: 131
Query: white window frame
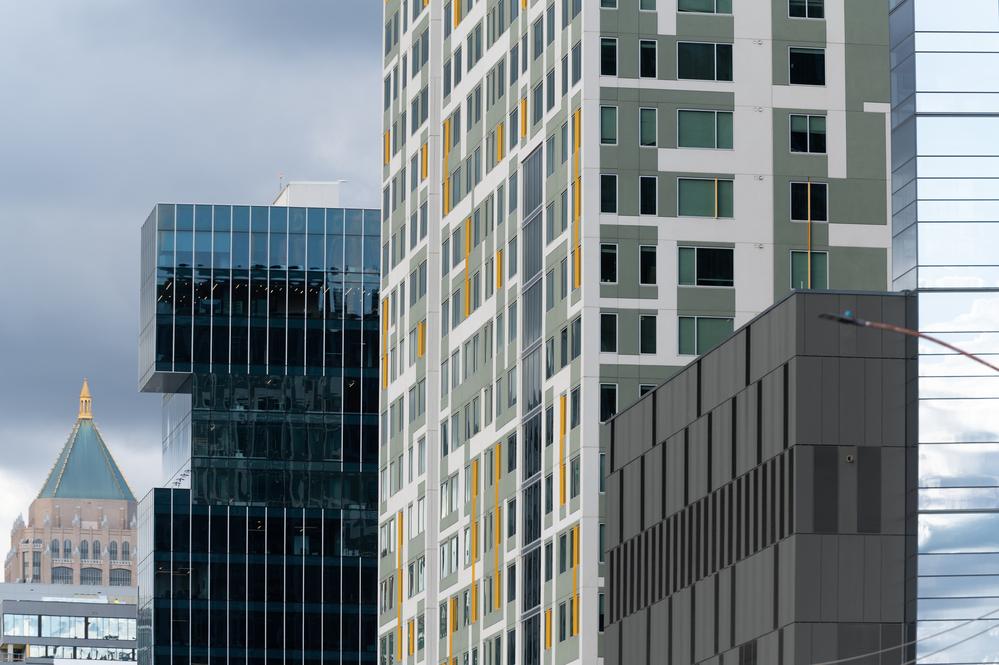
x: 807, y: 117
x: 646, y: 316
x: 617, y: 122
x: 715, y: 112
x: 617, y: 255
x: 790, y: 207
x: 655, y: 248
x: 655, y: 46
x: 790, y: 264
x: 656, y: 190
x: 655, y: 112
x: 788, y: 59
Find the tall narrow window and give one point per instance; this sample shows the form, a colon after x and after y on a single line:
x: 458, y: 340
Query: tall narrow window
x: 608, y: 400
x: 704, y: 129
x: 608, y: 125
x: 608, y: 56
x: 705, y: 197
x: 647, y: 128
x: 806, y: 66
x: 799, y: 270
x: 608, y: 263
x: 608, y: 333
x: 647, y: 194
x: 647, y: 58
x: 704, y: 61
x: 808, y: 133
x: 608, y: 192
x: 647, y: 333
x: 802, y: 200
x: 647, y: 265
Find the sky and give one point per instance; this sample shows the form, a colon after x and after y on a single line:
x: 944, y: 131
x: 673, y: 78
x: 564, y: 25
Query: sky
x: 110, y: 106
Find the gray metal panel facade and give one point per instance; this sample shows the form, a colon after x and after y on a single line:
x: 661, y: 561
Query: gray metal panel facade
x: 757, y: 501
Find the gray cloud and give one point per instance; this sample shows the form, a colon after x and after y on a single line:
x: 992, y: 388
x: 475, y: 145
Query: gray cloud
x: 110, y: 106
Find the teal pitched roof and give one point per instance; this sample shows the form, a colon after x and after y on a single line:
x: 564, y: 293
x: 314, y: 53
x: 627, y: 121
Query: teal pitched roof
x: 85, y: 468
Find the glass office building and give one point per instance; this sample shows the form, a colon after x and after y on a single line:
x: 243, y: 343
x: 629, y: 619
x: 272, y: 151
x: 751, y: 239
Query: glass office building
x: 260, y: 326
x: 945, y: 114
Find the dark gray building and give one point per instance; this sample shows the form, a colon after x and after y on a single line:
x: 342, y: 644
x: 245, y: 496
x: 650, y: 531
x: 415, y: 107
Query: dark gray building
x: 759, y: 502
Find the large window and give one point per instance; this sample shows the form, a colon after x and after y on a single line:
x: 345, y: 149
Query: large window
x: 808, y: 133
x: 120, y: 577
x: 608, y: 333
x: 647, y: 333
x: 647, y: 265
x: 608, y: 56
x: 608, y: 263
x: 806, y: 8
x: 807, y: 66
x: 705, y: 6
x: 705, y: 62
x: 90, y: 576
x: 700, y: 334
x: 704, y: 197
x: 608, y: 125
x: 608, y: 192
x: 809, y: 195
x: 706, y: 266
x: 799, y: 270
x: 648, y: 186
x: 704, y: 129
x: 62, y: 575
x: 647, y: 58
x: 648, y: 129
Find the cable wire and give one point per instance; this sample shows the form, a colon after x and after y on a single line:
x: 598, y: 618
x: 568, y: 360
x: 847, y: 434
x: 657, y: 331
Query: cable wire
x: 916, y: 641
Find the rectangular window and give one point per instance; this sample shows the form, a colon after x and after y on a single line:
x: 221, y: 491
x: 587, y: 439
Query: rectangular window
x: 706, y: 266
x: 537, y: 101
x: 538, y: 37
x: 608, y: 400
x: 608, y: 192
x: 699, y: 334
x: 608, y: 4
x: 550, y: 96
x: 704, y: 197
x: 806, y: 66
x: 648, y: 128
x: 647, y: 58
x: 608, y: 333
x: 799, y: 270
x: 806, y: 8
x: 608, y: 125
x: 646, y: 265
x: 574, y: 410
x: 704, y: 129
x: 608, y: 56
x: 808, y: 133
x: 648, y: 186
x: 574, y: 478
x: 705, y: 6
x: 704, y: 61
x: 608, y: 263
x: 577, y: 62
x: 647, y: 333
x: 809, y: 195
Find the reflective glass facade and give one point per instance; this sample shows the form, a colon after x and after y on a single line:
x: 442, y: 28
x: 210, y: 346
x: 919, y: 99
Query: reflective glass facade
x: 945, y: 146
x: 260, y: 325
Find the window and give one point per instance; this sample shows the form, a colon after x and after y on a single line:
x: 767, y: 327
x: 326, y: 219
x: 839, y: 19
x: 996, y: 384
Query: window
x: 511, y: 517
x: 608, y: 56
x: 807, y: 66
x: 608, y: 125
x: 647, y: 333
x: 648, y: 129
x: 608, y: 333
x: 799, y: 270
x: 643, y: 390
x: 538, y: 37
x: 705, y: 6
x: 647, y: 194
x: 608, y: 264
x: 704, y: 129
x: 808, y: 133
x: 608, y: 400
x: 647, y: 5
x: 704, y: 197
x: 706, y: 266
x: 647, y: 58
x: 608, y: 4
x: 574, y: 414
x: 608, y: 192
x: 806, y: 8
x: 646, y: 265
x: 809, y: 195
x: 706, y: 62
x: 700, y: 334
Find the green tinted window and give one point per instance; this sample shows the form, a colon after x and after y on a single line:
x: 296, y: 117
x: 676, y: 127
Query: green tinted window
x: 687, y: 260
x: 696, y: 198
x: 687, y: 335
x: 724, y: 120
x: 608, y: 124
x: 726, y: 204
x: 696, y: 129
x: 799, y: 270
x: 647, y: 127
x: 710, y: 332
x: 647, y: 5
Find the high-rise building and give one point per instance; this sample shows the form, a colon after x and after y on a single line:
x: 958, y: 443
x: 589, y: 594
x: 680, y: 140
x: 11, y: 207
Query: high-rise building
x: 260, y: 325
x: 579, y: 197
x: 81, y: 527
x: 758, y: 501
x: 945, y: 161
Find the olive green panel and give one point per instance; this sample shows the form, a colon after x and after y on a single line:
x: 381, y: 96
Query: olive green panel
x: 867, y: 73
x: 705, y: 300
x: 858, y: 268
x: 705, y: 27
x: 866, y: 150
x: 857, y: 201
x: 810, y: 32
x: 866, y: 22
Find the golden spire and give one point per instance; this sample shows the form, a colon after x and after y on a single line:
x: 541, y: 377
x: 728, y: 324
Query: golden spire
x: 86, y: 406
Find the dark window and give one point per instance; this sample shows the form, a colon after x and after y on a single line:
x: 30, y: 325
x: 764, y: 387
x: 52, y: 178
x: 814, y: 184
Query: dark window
x: 647, y: 332
x: 608, y: 263
x: 804, y: 192
x: 705, y: 266
x: 608, y: 333
x: 647, y: 265
x: 647, y: 58
x: 608, y: 56
x: 608, y: 192
x: 806, y: 8
x: 608, y: 400
x: 707, y: 62
x: 808, y: 133
x: 807, y: 66
x: 647, y: 194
